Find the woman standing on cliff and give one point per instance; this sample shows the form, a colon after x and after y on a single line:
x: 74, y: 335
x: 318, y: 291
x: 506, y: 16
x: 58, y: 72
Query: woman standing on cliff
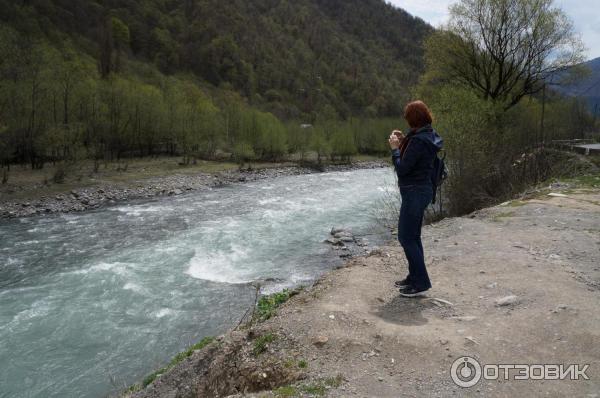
x: 413, y: 156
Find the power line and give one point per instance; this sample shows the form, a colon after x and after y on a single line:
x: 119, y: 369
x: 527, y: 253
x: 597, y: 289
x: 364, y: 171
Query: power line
x: 589, y: 88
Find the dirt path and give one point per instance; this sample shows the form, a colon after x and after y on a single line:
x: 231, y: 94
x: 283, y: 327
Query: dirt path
x: 358, y: 337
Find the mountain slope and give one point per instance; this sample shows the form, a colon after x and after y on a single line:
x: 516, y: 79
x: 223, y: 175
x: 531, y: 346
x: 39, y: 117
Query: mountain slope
x: 315, y: 58
x: 588, y: 87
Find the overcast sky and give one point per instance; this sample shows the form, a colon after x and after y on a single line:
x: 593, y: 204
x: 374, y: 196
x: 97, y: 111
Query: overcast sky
x: 584, y: 13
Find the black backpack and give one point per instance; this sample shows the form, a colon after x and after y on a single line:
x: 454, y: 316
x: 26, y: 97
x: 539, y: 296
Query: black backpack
x: 438, y: 174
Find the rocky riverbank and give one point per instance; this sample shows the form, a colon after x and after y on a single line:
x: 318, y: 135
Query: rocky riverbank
x: 517, y: 283
x: 83, y: 199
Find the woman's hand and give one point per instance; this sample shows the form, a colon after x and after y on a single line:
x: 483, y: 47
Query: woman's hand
x: 395, y: 139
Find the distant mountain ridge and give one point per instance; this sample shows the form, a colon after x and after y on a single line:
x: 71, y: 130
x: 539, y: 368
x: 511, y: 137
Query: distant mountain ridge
x: 588, y: 87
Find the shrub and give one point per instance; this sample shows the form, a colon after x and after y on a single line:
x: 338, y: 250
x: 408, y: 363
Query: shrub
x: 177, y: 359
x: 262, y: 342
x: 267, y: 305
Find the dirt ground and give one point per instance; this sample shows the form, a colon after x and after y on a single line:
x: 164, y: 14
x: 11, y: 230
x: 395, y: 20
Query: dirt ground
x: 545, y: 252
x: 355, y: 336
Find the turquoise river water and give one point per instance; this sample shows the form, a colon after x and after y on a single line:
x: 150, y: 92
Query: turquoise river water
x: 93, y: 302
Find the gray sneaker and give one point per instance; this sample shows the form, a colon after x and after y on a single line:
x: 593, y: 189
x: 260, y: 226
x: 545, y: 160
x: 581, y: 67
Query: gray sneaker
x: 403, y: 283
x: 412, y: 292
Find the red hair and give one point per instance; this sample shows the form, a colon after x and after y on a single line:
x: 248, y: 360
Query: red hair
x: 417, y: 114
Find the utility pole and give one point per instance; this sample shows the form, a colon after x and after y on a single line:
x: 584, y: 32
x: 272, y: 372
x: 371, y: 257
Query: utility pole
x: 542, y: 133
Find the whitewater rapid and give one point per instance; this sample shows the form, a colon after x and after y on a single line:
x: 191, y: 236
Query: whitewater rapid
x: 92, y: 302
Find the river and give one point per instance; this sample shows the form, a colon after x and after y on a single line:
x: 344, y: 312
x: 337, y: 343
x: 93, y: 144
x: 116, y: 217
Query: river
x: 93, y: 302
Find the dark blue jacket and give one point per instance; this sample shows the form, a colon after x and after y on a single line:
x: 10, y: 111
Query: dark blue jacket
x: 416, y: 165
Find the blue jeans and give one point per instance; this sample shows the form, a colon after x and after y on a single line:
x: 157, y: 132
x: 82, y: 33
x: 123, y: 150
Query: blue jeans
x: 415, y: 199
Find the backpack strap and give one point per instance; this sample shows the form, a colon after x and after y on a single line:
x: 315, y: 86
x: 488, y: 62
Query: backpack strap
x: 404, y: 145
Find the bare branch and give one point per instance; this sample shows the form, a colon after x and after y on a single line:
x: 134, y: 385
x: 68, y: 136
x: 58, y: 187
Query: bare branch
x: 506, y: 49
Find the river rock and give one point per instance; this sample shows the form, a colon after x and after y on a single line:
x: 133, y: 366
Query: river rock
x: 375, y: 252
x: 320, y: 340
x: 344, y: 234
x: 506, y: 301
x: 272, y: 280
x: 334, y: 242
x: 86, y: 198
x: 467, y: 318
x: 335, y: 231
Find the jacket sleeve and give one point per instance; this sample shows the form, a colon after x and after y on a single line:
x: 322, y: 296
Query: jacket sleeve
x: 413, y: 152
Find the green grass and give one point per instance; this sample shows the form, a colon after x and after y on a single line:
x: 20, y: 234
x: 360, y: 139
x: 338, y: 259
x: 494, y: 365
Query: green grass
x: 177, y: 359
x: 334, y: 381
x: 262, y: 342
x: 500, y: 216
x: 320, y: 387
x: 132, y: 389
x: 267, y: 305
x: 153, y: 376
x: 575, y: 185
x: 517, y: 203
x: 316, y: 389
x: 595, y: 159
x: 185, y: 354
x: 290, y: 363
x: 286, y: 392
x: 585, y: 181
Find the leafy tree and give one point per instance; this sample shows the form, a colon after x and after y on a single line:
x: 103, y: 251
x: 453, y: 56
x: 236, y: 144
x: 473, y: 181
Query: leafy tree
x: 243, y: 152
x: 299, y: 138
x: 317, y: 42
x: 342, y: 144
x: 272, y: 137
x: 200, y: 78
x: 491, y: 56
x: 503, y: 49
x: 120, y: 39
x: 320, y: 144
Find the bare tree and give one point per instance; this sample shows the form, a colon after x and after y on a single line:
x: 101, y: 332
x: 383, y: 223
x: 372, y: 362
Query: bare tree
x: 504, y: 49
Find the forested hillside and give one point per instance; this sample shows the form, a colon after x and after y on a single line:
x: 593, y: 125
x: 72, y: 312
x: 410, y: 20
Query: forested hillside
x: 122, y: 77
x: 588, y: 87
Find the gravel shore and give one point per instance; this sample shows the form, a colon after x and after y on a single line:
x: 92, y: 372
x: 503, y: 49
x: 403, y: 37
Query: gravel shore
x: 95, y: 197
